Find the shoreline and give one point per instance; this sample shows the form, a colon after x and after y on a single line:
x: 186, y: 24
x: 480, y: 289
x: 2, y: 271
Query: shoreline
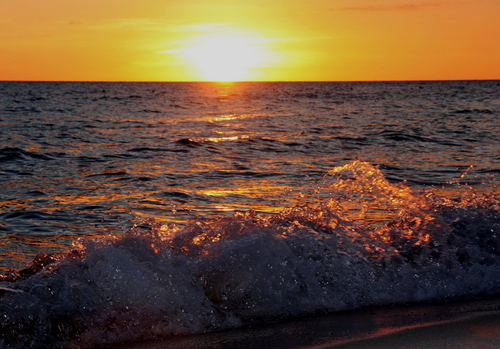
x: 480, y: 332
x: 475, y: 323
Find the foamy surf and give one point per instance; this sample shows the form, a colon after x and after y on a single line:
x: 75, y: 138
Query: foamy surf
x: 369, y: 243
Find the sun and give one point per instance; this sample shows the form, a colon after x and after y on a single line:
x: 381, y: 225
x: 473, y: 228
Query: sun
x: 226, y: 58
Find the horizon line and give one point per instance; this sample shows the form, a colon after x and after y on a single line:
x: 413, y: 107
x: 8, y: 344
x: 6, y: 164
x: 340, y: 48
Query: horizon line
x: 249, y: 81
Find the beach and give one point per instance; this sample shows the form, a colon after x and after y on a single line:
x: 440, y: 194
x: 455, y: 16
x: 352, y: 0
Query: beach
x: 454, y: 325
x: 480, y: 332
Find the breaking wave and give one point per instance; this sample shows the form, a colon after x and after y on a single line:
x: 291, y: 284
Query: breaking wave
x: 369, y: 243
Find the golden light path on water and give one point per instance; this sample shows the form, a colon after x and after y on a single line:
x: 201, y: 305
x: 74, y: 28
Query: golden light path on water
x: 360, y: 205
x: 356, y: 192
x: 224, y: 123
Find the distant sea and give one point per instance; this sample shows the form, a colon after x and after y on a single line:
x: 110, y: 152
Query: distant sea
x: 131, y: 211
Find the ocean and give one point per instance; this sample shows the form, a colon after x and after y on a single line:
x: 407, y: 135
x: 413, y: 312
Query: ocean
x: 135, y: 211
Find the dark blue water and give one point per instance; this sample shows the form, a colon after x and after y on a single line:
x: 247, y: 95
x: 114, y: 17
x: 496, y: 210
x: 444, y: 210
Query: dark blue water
x: 179, y: 208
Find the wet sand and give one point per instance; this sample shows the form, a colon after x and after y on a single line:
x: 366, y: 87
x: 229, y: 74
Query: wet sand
x: 467, y: 324
x: 482, y: 332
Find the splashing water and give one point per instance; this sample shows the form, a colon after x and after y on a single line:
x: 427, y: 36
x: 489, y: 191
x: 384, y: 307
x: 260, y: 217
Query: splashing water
x: 368, y: 243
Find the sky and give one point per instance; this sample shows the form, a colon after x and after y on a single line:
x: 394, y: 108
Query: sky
x: 229, y: 40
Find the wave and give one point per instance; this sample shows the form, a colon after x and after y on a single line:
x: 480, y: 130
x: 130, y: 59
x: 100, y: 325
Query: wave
x: 13, y: 153
x: 369, y: 243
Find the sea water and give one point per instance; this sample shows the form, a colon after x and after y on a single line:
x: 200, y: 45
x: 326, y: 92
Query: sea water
x: 131, y: 211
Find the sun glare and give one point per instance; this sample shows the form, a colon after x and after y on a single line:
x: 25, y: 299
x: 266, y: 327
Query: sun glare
x: 226, y: 58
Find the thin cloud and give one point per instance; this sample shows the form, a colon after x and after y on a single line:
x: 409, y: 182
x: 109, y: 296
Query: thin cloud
x: 114, y: 24
x: 403, y: 7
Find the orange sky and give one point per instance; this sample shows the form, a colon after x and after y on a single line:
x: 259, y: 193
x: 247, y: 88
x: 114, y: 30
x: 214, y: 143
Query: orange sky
x: 170, y: 40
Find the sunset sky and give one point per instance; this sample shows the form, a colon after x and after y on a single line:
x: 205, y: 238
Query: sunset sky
x: 285, y: 40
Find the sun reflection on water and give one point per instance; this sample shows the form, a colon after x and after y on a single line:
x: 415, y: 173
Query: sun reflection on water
x: 229, y: 138
x: 223, y: 118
